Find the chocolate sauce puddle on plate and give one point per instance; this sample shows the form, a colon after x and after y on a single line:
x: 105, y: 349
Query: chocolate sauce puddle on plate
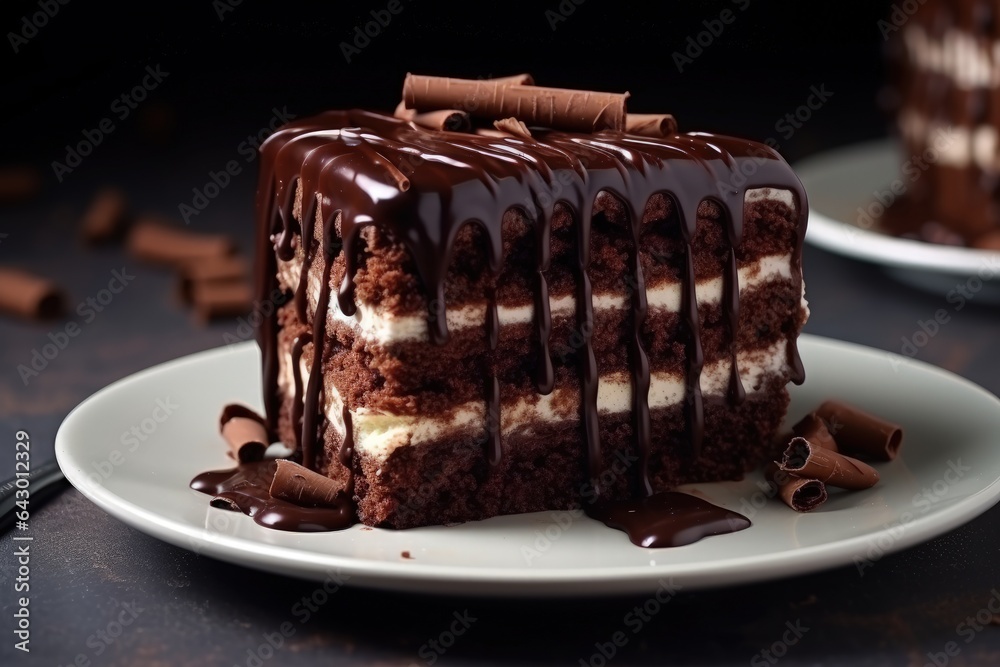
x: 667, y: 519
x: 246, y: 488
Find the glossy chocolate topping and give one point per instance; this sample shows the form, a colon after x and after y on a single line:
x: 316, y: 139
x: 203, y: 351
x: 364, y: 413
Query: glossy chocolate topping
x: 357, y: 168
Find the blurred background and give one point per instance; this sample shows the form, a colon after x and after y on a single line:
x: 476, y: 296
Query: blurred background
x: 188, y: 88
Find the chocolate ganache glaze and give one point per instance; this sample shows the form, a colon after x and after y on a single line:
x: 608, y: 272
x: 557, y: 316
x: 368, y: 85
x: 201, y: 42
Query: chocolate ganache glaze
x: 423, y: 185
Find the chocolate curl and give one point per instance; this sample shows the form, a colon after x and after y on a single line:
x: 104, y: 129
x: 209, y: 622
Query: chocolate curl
x: 650, y: 124
x: 301, y: 486
x: 220, y: 270
x: 212, y: 300
x: 859, y: 433
x: 578, y: 110
x: 18, y: 183
x: 813, y: 429
x: 26, y: 295
x: 104, y: 219
x: 512, y: 126
x: 451, y: 120
x: 159, y: 243
x: 808, y: 461
x: 802, y: 495
x: 245, y: 432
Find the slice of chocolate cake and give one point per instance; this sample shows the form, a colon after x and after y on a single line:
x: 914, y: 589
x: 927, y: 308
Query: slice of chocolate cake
x: 945, y: 62
x: 495, y: 321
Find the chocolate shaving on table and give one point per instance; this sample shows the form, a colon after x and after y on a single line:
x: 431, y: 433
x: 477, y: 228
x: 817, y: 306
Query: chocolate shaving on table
x: 30, y: 296
x: 301, y: 486
x: 558, y: 108
x: 154, y: 241
x: 801, y: 494
x: 219, y: 270
x: 104, y: 219
x: 19, y: 182
x: 859, y: 433
x: 813, y: 428
x: 512, y: 126
x: 221, y: 299
x: 245, y: 432
x: 808, y: 461
x: 650, y: 124
x: 451, y: 120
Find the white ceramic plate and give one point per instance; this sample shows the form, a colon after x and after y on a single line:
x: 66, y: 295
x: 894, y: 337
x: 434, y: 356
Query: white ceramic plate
x: 124, y: 451
x: 844, y: 188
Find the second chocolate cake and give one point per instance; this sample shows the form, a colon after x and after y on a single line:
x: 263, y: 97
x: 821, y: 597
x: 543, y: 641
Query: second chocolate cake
x: 491, y: 322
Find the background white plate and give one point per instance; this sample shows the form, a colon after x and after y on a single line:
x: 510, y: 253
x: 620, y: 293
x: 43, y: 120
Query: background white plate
x: 113, y: 449
x: 841, y: 181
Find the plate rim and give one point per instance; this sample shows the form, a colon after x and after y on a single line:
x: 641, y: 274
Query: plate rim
x: 413, y: 576
x: 844, y: 238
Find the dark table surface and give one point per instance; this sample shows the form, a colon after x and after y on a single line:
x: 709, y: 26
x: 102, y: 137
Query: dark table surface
x: 90, y: 572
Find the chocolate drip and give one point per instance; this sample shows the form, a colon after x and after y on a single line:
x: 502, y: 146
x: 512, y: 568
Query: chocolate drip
x: 245, y: 488
x: 298, y: 401
x: 421, y: 186
x: 731, y: 311
x: 641, y: 424
x: 346, y: 454
x: 311, y: 411
x: 668, y: 519
x: 589, y: 375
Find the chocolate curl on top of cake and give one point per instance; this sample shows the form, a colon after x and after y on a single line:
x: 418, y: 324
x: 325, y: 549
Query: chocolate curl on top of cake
x: 809, y: 461
x: 656, y: 125
x: 245, y: 432
x: 558, y: 108
x: 452, y: 120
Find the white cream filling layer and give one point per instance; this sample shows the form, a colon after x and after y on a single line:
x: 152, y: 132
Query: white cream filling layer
x: 386, y: 327
x: 950, y: 145
x: 380, y: 434
x: 970, y: 62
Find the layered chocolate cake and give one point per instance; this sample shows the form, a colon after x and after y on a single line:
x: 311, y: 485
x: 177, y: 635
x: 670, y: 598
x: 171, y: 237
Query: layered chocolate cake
x: 946, y: 83
x: 526, y: 315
